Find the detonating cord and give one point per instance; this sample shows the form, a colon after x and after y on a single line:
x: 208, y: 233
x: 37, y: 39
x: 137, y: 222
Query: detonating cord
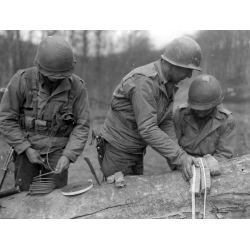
x: 193, y: 192
x: 205, y: 184
x: 41, y: 184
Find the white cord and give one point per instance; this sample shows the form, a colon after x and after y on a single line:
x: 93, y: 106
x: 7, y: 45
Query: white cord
x: 205, y: 193
x: 193, y: 192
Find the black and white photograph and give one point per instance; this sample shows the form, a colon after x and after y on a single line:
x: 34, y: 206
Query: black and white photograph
x: 128, y: 125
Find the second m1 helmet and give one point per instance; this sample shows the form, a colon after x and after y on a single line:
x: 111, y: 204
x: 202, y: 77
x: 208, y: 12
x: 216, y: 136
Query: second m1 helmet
x: 183, y: 52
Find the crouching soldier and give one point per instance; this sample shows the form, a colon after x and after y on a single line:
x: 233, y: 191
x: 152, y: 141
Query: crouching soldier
x: 202, y: 125
x: 44, y: 115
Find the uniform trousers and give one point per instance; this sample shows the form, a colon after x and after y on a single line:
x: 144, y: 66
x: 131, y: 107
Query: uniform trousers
x: 115, y: 160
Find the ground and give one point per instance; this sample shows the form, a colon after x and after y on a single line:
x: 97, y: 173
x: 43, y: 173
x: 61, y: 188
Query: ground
x: 154, y: 163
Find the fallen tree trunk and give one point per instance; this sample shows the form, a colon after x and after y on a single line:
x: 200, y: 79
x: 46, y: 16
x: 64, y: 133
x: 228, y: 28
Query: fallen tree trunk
x: 156, y: 196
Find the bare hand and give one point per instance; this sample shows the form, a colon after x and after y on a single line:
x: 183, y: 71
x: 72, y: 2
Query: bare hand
x: 62, y: 164
x: 34, y: 156
x: 187, y: 167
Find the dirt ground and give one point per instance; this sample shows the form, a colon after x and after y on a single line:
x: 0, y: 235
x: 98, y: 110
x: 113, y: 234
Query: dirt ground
x: 154, y: 163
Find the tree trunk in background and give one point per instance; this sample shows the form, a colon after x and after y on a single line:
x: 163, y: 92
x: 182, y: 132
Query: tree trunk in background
x: 156, y: 196
x: 10, y: 37
x: 18, y: 51
x: 85, y: 51
x: 98, y: 63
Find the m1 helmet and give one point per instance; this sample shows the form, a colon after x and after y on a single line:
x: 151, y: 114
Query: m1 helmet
x: 183, y: 52
x: 204, y: 93
x: 55, y: 58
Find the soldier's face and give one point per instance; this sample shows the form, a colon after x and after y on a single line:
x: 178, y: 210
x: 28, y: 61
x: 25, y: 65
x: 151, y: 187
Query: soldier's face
x: 202, y: 113
x: 179, y: 74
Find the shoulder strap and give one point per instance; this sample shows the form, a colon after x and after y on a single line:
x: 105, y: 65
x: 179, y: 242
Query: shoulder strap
x: 31, y: 79
x: 73, y: 91
x: 70, y: 103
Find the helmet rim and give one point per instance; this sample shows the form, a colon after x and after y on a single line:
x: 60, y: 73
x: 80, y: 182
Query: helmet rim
x: 205, y: 106
x: 189, y: 66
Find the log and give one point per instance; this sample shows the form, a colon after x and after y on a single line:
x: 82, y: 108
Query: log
x: 156, y: 196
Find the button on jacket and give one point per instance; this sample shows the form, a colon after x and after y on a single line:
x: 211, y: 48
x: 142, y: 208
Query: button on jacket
x: 217, y: 137
x: 141, y: 114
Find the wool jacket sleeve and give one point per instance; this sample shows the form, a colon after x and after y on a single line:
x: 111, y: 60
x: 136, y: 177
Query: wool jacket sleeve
x: 11, y: 103
x: 79, y: 135
x: 227, y: 140
x: 144, y: 104
x: 177, y: 123
x: 167, y: 126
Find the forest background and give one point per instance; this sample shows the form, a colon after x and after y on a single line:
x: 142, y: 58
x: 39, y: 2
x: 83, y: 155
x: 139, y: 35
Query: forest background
x: 103, y: 58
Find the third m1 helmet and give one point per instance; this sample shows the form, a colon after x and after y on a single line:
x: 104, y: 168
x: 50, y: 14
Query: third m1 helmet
x: 55, y: 57
x: 204, y: 93
x: 183, y: 52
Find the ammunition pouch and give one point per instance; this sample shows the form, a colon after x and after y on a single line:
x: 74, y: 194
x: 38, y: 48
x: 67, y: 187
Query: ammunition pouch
x: 61, y: 125
x: 41, y: 125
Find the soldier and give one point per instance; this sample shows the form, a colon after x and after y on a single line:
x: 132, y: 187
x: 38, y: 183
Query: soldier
x: 202, y: 125
x: 44, y: 114
x: 141, y: 112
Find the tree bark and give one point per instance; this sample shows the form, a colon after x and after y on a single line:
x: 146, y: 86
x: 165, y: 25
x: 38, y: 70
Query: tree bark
x: 157, y: 196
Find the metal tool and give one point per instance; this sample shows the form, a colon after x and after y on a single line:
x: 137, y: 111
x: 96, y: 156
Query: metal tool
x: 6, y: 164
x: 92, y: 169
x: 14, y: 190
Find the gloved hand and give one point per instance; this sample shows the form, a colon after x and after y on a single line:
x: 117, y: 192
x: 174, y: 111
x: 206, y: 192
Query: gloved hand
x: 212, y: 164
x: 187, y: 167
x: 62, y: 164
x: 34, y: 156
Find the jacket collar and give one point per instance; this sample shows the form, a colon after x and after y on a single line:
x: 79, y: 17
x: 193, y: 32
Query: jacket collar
x: 215, y: 114
x: 163, y: 80
x: 212, y: 124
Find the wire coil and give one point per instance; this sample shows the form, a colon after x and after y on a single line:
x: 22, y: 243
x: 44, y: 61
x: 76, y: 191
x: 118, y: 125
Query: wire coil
x: 42, y: 185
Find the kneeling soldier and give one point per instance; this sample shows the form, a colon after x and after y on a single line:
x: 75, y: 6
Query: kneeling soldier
x: 202, y: 125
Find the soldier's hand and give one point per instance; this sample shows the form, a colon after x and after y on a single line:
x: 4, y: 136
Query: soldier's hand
x: 34, y: 156
x: 187, y: 167
x: 62, y: 164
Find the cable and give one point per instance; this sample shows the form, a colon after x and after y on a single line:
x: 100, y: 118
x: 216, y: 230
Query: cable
x: 205, y: 184
x: 43, y: 185
x: 193, y: 192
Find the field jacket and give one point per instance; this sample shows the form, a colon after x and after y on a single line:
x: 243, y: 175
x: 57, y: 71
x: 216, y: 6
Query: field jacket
x: 141, y: 114
x: 217, y: 137
x: 31, y: 117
